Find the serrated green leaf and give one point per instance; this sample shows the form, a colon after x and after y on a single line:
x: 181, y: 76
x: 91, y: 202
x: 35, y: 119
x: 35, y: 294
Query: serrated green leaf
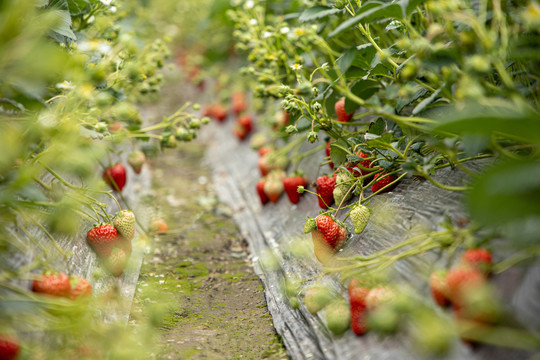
x: 409, y: 6
x: 303, y: 124
x: 317, y: 12
x: 364, y: 89
x: 378, y: 127
x: 422, y: 105
x: 508, y: 191
x: 338, y: 154
x: 345, y: 61
x: 64, y: 28
x: 368, y: 12
x: 497, y: 116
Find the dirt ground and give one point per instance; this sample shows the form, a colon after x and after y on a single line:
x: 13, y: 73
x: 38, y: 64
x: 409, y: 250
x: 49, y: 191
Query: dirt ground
x: 197, y: 280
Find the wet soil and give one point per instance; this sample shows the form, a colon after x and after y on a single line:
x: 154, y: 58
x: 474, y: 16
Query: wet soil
x: 197, y: 283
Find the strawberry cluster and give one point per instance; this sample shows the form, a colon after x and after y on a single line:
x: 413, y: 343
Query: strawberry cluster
x: 466, y: 289
x: 112, y: 242
x: 60, y: 285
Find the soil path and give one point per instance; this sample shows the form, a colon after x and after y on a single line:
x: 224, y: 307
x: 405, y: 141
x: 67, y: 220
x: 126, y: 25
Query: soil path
x: 198, y: 280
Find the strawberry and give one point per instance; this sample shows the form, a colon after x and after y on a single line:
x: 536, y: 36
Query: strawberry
x: 317, y: 297
x: 246, y: 121
x: 136, y: 160
x: 260, y: 190
x: 341, y: 191
x: 291, y: 184
x: 342, y: 115
x: 264, y: 165
x: 365, y: 163
x: 238, y: 101
x: 124, y: 222
x: 479, y: 259
x: 461, y: 281
x: 117, y: 261
x: 263, y: 150
x: 322, y: 251
x: 334, y: 234
x: 240, y: 131
x: 159, y: 226
x: 359, y: 217
x: 338, y: 317
x: 216, y: 111
x: 124, y: 244
x: 325, y: 189
x: 9, y: 347
x: 378, y: 296
x: 102, y: 238
x: 310, y: 225
x: 116, y: 127
x: 270, y: 161
x: 52, y: 284
x: 382, y: 182
x: 273, y: 188
x: 327, y: 152
x: 115, y: 176
x: 357, y: 302
x: 439, y: 287
x: 79, y: 288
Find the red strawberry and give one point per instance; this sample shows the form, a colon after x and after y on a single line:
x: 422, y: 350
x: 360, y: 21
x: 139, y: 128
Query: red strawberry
x: 291, y: 184
x: 325, y: 189
x: 260, y: 190
x: 479, y: 259
x: 357, y: 301
x: 216, y: 111
x: 439, y: 287
x: 52, y: 284
x: 461, y: 281
x: 117, y: 261
x: 264, y: 165
x: 263, y: 150
x: 238, y: 102
x: 378, y: 295
x: 9, y: 347
x: 102, y: 239
x: 382, y: 182
x: 115, y: 176
x: 136, y: 160
x: 333, y: 233
x: 342, y: 115
x: 79, y: 287
x: 246, y: 121
x: 327, y: 152
x: 365, y: 163
x: 273, y: 188
x: 240, y: 131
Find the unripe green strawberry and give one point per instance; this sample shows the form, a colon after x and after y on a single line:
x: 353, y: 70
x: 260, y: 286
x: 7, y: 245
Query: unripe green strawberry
x: 343, y: 184
x: 360, y: 216
x: 338, y: 317
x: 310, y: 225
x: 124, y: 222
x: 317, y: 297
x: 136, y: 160
x: 384, y: 320
x: 432, y: 335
